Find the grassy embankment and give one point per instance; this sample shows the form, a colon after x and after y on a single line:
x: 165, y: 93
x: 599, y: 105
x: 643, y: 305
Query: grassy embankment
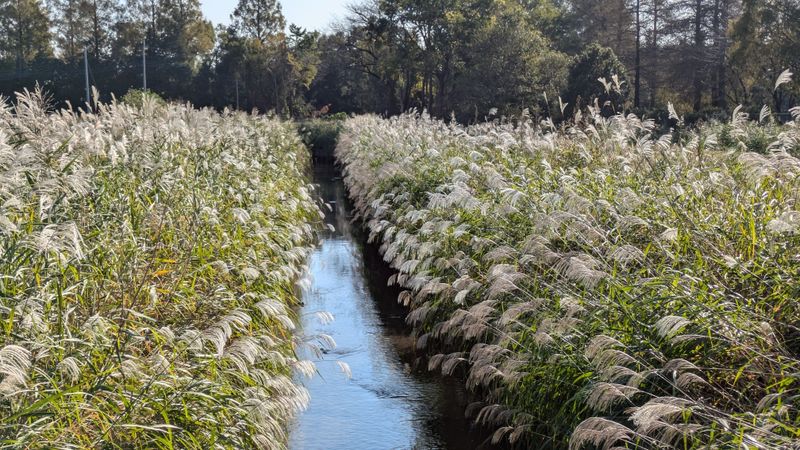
x: 598, y: 284
x: 148, y: 261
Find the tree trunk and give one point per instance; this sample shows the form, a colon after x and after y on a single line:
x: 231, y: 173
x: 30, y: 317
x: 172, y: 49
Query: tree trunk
x: 408, y: 88
x: 424, y: 98
x: 638, y: 68
x: 443, y: 77
x: 722, y: 53
x: 440, y: 95
x: 715, y: 29
x: 96, y: 30
x: 391, y: 97
x: 699, y: 41
x: 20, y: 39
x: 655, y: 61
x: 429, y: 95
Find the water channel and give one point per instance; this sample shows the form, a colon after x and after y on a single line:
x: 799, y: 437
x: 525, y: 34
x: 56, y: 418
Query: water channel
x: 386, y: 404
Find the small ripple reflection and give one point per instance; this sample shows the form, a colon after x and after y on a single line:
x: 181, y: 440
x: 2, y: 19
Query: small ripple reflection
x: 383, y: 405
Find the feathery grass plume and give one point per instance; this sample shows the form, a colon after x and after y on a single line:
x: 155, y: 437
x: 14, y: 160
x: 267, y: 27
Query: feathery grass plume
x: 599, y: 433
x: 604, y: 251
x: 603, y: 396
x: 15, y: 362
x: 668, y: 326
x: 783, y: 78
x: 658, y: 413
x: 765, y: 114
x: 138, y: 310
x: 620, y: 374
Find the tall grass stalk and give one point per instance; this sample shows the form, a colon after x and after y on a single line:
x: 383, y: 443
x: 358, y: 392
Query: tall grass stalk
x: 598, y: 284
x: 148, y: 262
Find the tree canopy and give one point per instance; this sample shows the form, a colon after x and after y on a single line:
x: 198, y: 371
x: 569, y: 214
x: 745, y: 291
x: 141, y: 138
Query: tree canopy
x: 452, y: 58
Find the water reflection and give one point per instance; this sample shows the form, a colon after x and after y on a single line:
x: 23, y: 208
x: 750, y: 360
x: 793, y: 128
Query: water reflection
x: 386, y: 404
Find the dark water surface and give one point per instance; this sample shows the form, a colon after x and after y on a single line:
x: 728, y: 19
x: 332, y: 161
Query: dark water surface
x: 386, y: 404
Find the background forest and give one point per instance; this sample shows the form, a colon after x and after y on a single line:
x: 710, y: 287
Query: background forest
x: 468, y: 58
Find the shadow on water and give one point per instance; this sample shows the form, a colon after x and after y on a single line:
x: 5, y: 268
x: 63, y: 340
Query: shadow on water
x: 387, y: 404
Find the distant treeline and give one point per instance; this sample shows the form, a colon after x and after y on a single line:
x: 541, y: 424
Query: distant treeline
x: 465, y: 58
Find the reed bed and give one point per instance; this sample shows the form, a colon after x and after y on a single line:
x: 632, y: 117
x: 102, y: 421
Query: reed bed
x: 148, y: 264
x: 597, y: 284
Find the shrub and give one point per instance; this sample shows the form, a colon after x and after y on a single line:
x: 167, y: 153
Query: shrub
x: 583, y: 87
x: 321, y: 135
x: 138, y: 97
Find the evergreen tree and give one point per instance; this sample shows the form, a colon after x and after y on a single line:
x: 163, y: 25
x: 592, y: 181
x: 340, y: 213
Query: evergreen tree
x: 84, y: 23
x: 24, y: 32
x: 585, y: 88
x: 764, y: 43
x: 258, y: 19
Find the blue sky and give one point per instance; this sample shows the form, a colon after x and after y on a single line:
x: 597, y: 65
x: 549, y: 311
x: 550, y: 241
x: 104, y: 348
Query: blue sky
x: 311, y: 14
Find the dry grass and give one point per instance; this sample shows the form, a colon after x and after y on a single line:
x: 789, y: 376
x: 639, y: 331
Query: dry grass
x: 148, y: 259
x: 608, y: 283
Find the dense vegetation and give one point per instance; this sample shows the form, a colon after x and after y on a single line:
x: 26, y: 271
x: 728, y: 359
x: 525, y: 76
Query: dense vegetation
x: 464, y: 57
x: 601, y: 270
x: 597, y: 283
x: 148, y: 260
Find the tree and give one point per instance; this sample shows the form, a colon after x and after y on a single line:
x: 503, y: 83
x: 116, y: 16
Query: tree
x: 387, y: 51
x: 721, y: 13
x: 178, y: 39
x: 270, y: 70
x: 388, y: 56
x: 444, y: 29
x: 698, y: 16
x: 101, y: 15
x: 637, y: 86
x: 764, y: 43
x: 341, y: 84
x: 258, y: 19
x: 174, y: 29
x: 304, y: 60
x: 451, y: 56
x: 609, y: 23
x: 70, y: 34
x: 509, y: 66
x: 25, y: 31
x: 84, y: 23
x: 584, y: 87
x: 660, y: 13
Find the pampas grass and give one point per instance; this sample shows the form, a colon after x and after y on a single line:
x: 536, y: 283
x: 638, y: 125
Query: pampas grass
x: 613, y: 287
x: 148, y: 259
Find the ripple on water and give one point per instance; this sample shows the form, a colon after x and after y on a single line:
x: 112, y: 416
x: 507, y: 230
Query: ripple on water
x: 384, y: 405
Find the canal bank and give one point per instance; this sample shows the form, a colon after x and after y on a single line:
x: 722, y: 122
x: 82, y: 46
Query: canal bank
x: 388, y: 403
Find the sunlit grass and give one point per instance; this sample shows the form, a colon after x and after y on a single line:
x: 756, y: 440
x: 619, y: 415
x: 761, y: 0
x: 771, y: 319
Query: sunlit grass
x: 597, y: 284
x: 148, y: 261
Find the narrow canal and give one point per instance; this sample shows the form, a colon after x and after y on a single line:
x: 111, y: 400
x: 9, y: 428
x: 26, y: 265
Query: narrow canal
x: 386, y: 404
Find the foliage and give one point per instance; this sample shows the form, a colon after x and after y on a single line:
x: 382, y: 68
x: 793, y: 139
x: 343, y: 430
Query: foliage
x: 321, y: 135
x: 600, y: 285
x: 452, y: 58
x: 80, y: 23
x: 257, y: 66
x: 340, y: 85
x: 137, y: 98
x: 148, y: 260
x: 258, y: 19
x: 24, y: 32
x: 764, y: 45
x: 508, y: 67
x: 585, y: 88
x: 463, y: 58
